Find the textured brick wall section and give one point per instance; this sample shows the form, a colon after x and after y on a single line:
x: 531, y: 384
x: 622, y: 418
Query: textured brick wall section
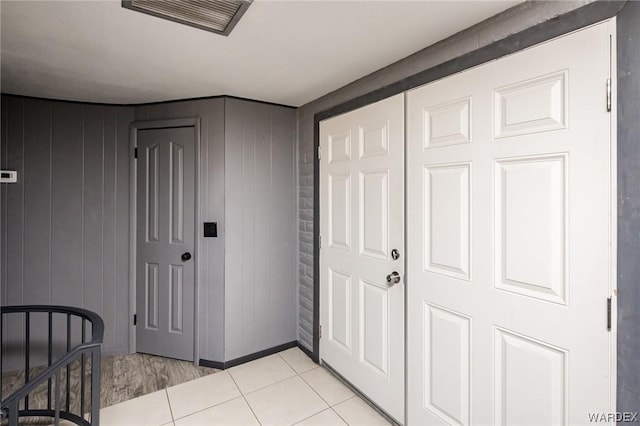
x: 305, y: 233
x: 511, y: 21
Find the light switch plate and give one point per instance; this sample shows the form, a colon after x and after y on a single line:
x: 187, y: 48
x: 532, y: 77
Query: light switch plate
x: 210, y: 229
x: 8, y: 176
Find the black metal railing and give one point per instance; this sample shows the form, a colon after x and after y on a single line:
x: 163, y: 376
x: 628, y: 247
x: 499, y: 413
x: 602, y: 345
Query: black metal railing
x: 63, y: 324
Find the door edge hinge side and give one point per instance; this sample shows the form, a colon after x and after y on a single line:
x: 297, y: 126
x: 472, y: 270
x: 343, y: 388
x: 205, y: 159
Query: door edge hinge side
x: 135, y: 319
x: 320, y: 331
x: 320, y: 241
x: 319, y: 153
x: 608, y: 313
x: 135, y: 152
x: 609, y: 95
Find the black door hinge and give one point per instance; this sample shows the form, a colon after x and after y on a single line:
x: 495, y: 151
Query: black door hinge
x: 608, y: 314
x: 135, y: 152
x: 135, y: 319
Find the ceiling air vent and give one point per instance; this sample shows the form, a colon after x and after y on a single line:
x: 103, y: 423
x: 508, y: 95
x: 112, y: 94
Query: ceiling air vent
x: 218, y: 16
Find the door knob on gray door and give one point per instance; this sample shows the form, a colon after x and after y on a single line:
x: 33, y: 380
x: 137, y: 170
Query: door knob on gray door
x: 186, y: 256
x: 393, y: 278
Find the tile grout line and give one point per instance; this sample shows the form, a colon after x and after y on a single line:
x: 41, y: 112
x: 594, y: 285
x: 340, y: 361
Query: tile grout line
x: 210, y: 406
x: 245, y: 400
x: 296, y: 373
x: 314, y: 391
x: 319, y: 412
x: 326, y: 402
x: 270, y: 384
x: 207, y: 408
x: 243, y: 394
x: 329, y: 407
x: 293, y: 368
x: 338, y: 414
x: 355, y: 395
x: 166, y: 393
x: 312, y: 388
x: 318, y: 393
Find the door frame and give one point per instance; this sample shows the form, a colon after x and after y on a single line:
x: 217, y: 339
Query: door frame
x: 576, y: 20
x: 133, y: 194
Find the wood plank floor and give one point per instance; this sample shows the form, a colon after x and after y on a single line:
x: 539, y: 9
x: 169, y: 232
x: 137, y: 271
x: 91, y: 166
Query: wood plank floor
x: 122, y: 377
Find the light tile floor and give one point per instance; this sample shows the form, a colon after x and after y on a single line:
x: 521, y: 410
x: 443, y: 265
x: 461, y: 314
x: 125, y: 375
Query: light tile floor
x: 283, y: 389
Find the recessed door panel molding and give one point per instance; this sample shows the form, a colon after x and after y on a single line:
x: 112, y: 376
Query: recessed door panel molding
x: 340, y: 211
x: 374, y: 327
x: 531, y: 381
x: 511, y: 240
x: 176, y: 193
x: 340, y: 147
x: 448, y: 123
x: 374, y: 213
x: 447, y: 360
x: 536, y: 105
x: 448, y: 219
x: 361, y: 221
x: 531, y: 225
x: 340, y: 310
x: 374, y: 139
x: 175, y: 299
x: 152, y: 158
x: 152, y: 272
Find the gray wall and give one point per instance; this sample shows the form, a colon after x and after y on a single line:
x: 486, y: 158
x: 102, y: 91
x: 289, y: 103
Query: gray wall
x: 247, y: 185
x: 65, y: 225
x: 260, y: 262
x: 212, y: 204
x: 629, y: 207
x: 66, y: 222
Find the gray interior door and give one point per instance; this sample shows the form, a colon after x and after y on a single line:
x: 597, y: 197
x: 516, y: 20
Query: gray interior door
x: 165, y: 242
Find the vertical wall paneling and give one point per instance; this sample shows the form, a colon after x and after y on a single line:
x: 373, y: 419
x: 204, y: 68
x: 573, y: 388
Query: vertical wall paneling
x: 66, y: 220
x: 66, y: 205
x: 13, y: 266
x: 108, y: 225
x: 283, y: 225
x: 3, y: 201
x: 260, y: 291
x: 262, y: 196
x: 35, y: 199
x: 65, y: 224
x: 233, y: 296
x: 93, y: 209
x: 3, y: 212
x: 212, y: 202
x: 122, y: 319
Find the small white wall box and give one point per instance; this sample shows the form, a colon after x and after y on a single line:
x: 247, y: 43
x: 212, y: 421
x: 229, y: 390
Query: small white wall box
x: 8, y: 176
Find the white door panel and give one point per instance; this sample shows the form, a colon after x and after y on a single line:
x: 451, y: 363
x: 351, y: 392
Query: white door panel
x: 508, y: 197
x: 361, y: 222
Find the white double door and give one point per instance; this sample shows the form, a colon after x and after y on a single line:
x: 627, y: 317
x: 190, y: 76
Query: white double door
x: 509, y: 243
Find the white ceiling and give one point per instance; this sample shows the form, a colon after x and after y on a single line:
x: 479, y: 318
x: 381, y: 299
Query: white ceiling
x: 288, y: 52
